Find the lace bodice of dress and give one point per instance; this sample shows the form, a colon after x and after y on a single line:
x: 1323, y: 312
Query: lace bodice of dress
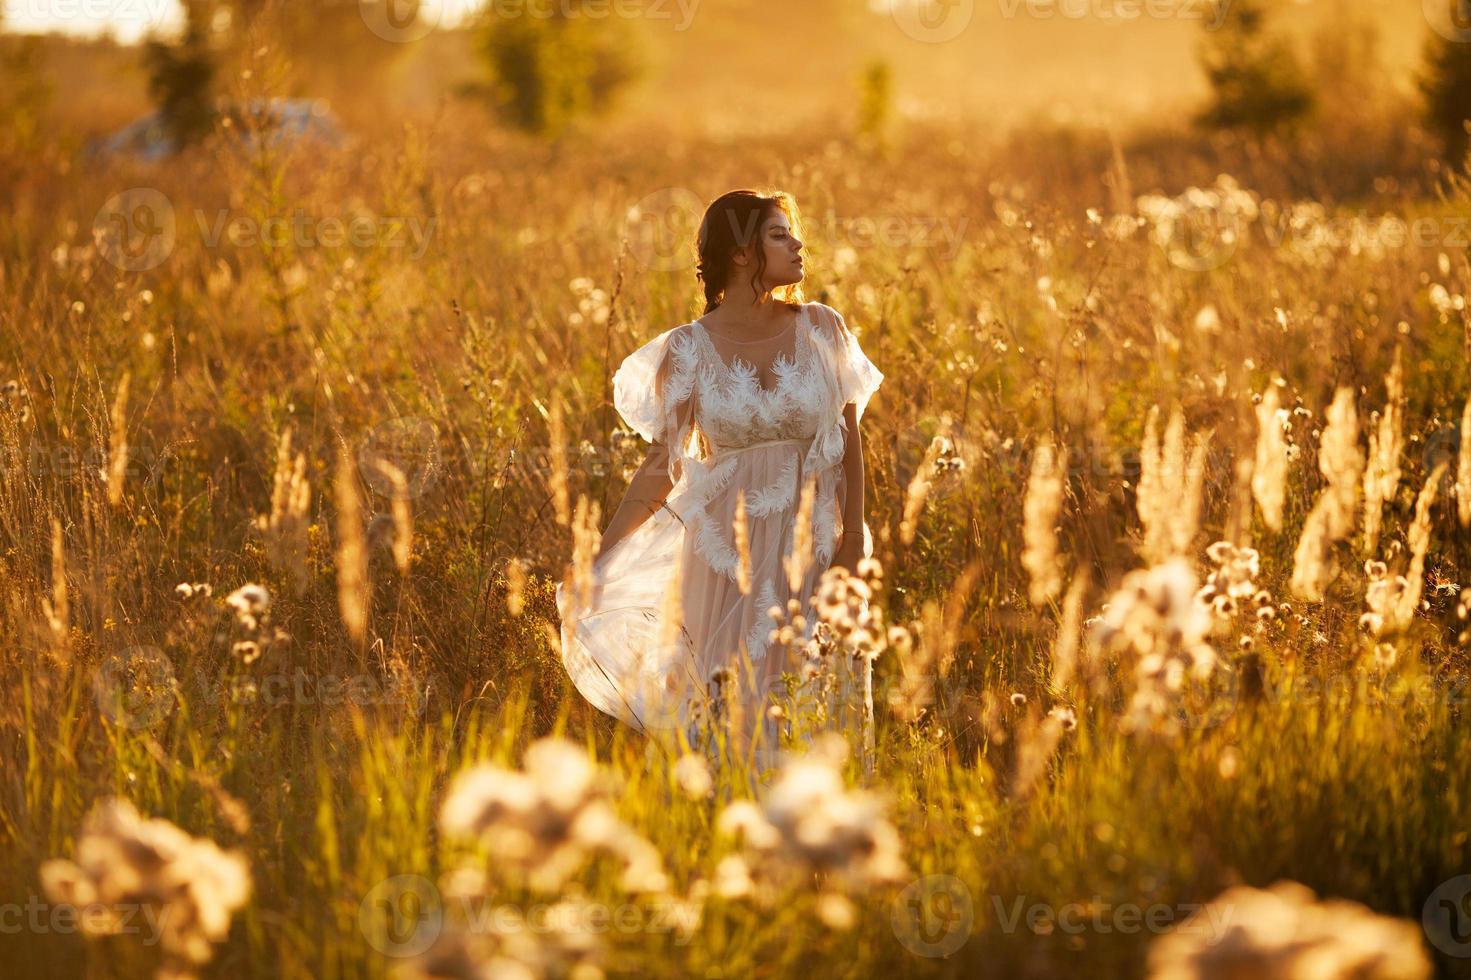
x: 738, y: 404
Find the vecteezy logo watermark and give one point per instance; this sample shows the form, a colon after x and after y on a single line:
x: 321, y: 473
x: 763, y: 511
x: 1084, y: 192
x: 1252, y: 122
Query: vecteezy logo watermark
x: 933, y: 916
x: 1208, y: 702
x: 409, y: 444
x: 939, y: 451
x: 304, y: 231
x: 1451, y: 19
x: 1102, y: 917
x: 662, y: 228
x: 890, y: 231
x: 135, y: 230
x: 133, y: 17
x: 932, y: 21
x: 1446, y: 917
x: 1201, y: 235
x: 39, y: 917
x: 402, y: 915
x: 135, y: 687
x: 403, y: 21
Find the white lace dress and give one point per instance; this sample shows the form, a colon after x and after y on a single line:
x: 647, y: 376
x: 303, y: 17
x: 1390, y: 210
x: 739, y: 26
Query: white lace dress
x: 728, y: 425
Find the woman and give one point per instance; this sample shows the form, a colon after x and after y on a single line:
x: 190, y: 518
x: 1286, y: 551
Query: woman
x: 759, y: 399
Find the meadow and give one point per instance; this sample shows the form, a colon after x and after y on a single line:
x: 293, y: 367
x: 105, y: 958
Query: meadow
x: 297, y: 442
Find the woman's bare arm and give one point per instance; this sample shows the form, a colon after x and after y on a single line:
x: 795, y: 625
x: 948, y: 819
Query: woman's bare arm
x: 646, y: 493
x: 850, y: 548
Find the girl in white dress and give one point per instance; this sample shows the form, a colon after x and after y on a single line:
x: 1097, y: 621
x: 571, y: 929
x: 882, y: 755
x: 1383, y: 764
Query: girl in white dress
x: 760, y: 397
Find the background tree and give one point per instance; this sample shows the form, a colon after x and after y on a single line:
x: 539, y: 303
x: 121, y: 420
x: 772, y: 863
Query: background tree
x: 1446, y: 81
x: 181, y: 76
x: 549, y: 70
x: 1256, y: 79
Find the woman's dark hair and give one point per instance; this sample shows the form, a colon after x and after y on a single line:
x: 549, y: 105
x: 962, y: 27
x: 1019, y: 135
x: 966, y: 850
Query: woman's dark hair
x: 734, y: 220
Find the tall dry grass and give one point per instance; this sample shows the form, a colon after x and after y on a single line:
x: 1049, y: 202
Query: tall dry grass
x: 221, y: 419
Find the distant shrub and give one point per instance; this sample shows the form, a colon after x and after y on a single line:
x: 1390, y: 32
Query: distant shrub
x: 24, y: 93
x: 875, y: 100
x: 1256, y: 79
x: 549, y: 70
x: 181, y: 78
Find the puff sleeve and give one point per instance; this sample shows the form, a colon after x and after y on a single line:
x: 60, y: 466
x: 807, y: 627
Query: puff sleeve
x: 635, y: 391
x: 857, y: 377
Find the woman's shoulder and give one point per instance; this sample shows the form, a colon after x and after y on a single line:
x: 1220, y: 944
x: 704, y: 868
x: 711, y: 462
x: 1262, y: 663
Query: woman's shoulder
x: 826, y: 319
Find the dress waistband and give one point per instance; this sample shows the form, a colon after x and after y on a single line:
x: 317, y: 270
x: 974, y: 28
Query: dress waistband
x: 757, y: 445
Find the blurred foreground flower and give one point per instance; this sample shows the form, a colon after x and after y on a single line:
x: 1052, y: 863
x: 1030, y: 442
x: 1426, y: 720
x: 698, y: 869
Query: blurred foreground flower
x: 811, y: 823
x: 124, y: 860
x: 547, y: 821
x: 1285, y: 933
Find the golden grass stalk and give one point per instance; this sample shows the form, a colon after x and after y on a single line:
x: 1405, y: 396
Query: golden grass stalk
x: 285, y: 527
x: 671, y: 617
x: 1463, y: 469
x: 1341, y: 461
x: 1036, y: 743
x: 740, y: 527
x: 557, y: 451
x: 1418, y: 539
x: 403, y: 518
x: 1269, y: 474
x: 515, y: 586
x: 1040, y: 510
x: 1069, y: 634
x: 585, y: 540
x: 915, y: 690
x: 919, y: 486
x: 1168, y: 498
x: 800, y: 558
x: 352, y: 553
x: 117, y: 449
x: 58, y: 607
x: 1185, y: 523
x: 1386, y: 442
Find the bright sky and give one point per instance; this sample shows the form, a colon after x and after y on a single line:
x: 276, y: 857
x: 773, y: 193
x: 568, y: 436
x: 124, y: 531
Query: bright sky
x: 129, y: 20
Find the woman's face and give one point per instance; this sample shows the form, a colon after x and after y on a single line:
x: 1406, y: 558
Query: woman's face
x: 783, y: 251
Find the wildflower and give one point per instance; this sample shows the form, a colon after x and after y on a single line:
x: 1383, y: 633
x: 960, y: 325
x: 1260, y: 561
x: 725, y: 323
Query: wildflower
x: 193, y: 590
x: 547, y: 821
x: 250, y: 603
x: 810, y: 823
x: 693, y: 775
x: 1284, y: 932
x: 1158, y: 623
x: 561, y: 940
x: 124, y: 860
x: 1065, y: 716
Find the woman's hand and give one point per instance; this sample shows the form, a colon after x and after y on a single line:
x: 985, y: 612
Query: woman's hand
x: 849, y: 553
